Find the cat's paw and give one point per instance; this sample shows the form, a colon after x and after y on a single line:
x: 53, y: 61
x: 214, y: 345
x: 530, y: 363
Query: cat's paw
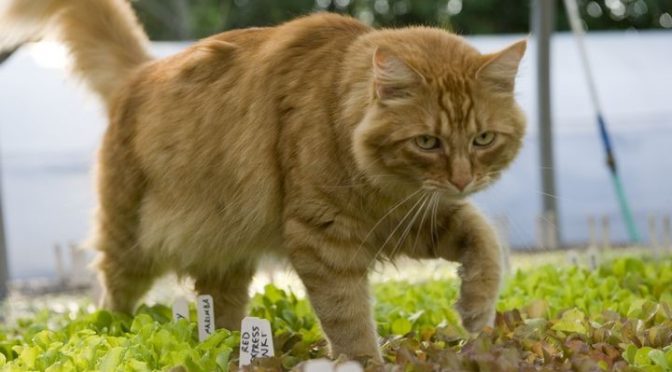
x: 476, y: 314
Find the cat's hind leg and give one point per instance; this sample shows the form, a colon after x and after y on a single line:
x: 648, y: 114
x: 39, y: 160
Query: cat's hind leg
x: 124, y: 274
x: 126, y: 271
x: 229, y: 291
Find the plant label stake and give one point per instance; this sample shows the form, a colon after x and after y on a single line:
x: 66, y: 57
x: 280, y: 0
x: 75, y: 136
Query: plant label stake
x: 318, y: 365
x: 256, y: 340
x: 606, y: 236
x: 206, y: 316
x: 653, y: 236
x: 180, y: 309
x: 349, y: 366
x: 326, y: 365
x: 60, y: 267
x: 592, y: 231
x: 502, y: 224
x: 573, y: 258
x: 667, y: 233
x: 593, y: 259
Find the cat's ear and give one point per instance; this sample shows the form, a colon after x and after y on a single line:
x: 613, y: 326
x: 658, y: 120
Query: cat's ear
x: 499, y: 70
x: 392, y: 78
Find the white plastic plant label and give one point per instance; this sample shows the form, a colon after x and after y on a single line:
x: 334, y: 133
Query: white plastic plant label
x: 593, y: 258
x: 573, y: 258
x: 326, y: 365
x: 180, y: 309
x: 205, y: 311
x: 318, y: 365
x: 256, y: 340
x: 349, y: 366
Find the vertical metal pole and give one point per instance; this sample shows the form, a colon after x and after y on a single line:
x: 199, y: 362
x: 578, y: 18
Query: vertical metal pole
x: 182, y: 21
x: 542, y: 22
x: 4, y: 266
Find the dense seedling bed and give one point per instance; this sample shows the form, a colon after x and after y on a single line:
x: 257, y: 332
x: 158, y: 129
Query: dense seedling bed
x: 613, y: 318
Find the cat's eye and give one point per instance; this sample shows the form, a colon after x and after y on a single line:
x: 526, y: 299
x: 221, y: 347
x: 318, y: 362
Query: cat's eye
x: 426, y: 142
x: 484, y: 139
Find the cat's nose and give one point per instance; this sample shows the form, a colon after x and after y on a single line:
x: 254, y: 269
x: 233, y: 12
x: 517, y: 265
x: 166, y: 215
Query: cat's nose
x: 461, y: 181
x: 460, y: 173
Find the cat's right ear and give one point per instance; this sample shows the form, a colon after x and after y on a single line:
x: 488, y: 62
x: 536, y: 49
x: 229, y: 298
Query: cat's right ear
x: 499, y: 69
x: 392, y: 78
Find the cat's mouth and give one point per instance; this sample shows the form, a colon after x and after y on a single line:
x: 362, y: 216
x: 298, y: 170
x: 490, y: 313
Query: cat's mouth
x: 450, y: 191
x: 446, y: 189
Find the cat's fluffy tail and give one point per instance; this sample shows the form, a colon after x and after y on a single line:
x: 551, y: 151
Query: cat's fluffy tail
x: 103, y: 36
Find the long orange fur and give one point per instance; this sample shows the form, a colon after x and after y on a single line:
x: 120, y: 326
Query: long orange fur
x: 309, y: 140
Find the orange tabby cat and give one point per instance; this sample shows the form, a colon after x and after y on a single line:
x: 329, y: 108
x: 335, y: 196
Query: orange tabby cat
x: 320, y: 140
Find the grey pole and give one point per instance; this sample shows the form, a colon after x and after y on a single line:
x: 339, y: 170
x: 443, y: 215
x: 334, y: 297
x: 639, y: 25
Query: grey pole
x: 542, y: 22
x: 4, y: 266
x: 181, y: 17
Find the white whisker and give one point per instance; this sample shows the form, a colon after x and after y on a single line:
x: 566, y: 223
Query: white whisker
x: 422, y: 221
x: 401, y: 222
x: 409, y: 227
x: 556, y: 197
x: 399, y: 204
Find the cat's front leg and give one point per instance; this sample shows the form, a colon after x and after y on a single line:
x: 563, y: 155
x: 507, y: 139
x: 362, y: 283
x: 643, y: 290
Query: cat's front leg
x: 335, y: 276
x: 470, y: 240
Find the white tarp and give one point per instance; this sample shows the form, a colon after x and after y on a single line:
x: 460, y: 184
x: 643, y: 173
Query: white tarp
x: 50, y: 127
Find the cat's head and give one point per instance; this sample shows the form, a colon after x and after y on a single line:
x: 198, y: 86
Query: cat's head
x: 442, y: 117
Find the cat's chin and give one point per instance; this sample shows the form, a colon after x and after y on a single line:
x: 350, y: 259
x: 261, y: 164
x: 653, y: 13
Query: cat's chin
x: 452, y: 195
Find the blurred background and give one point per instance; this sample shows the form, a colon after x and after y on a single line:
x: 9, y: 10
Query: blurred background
x: 50, y: 126
x: 186, y: 19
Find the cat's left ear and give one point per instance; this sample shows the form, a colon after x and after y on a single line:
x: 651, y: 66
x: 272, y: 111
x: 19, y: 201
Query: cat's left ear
x: 392, y: 77
x: 499, y: 69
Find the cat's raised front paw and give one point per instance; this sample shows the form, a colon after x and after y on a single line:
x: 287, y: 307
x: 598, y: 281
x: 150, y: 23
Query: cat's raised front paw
x: 476, y: 315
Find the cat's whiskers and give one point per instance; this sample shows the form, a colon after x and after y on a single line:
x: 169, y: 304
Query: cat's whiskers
x: 549, y: 222
x: 392, y: 209
x: 401, y: 222
x: 422, y: 220
x: 409, y: 226
x: 482, y: 182
x: 434, y: 222
x: 556, y: 197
